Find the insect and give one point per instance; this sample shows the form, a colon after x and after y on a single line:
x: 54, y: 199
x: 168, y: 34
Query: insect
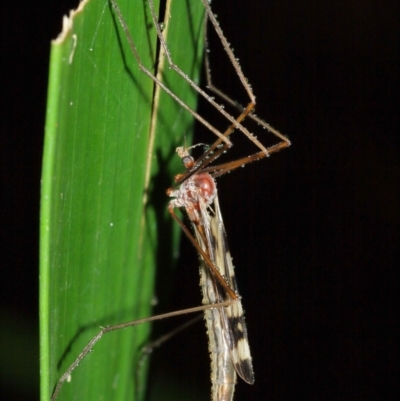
x: 210, y: 235
x: 228, y: 343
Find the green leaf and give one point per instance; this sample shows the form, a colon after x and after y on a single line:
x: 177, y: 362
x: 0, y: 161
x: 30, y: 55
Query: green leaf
x: 107, y: 162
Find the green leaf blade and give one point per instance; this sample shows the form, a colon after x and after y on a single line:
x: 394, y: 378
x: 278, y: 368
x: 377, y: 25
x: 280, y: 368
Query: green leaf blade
x: 98, y: 238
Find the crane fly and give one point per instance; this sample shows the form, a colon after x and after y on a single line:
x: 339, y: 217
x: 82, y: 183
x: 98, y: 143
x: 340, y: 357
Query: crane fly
x: 226, y: 328
x: 195, y: 191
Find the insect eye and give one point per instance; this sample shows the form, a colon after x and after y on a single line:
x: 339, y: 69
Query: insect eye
x: 187, y: 161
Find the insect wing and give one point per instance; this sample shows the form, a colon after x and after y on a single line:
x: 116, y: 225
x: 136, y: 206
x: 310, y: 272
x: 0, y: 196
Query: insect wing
x: 233, y: 320
x: 223, y: 373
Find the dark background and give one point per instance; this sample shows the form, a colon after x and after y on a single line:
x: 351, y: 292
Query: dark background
x: 313, y: 230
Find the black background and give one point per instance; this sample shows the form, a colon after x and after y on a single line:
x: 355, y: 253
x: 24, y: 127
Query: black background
x: 313, y: 230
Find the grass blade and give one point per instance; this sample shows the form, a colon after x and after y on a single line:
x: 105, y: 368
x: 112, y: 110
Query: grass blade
x: 103, y: 202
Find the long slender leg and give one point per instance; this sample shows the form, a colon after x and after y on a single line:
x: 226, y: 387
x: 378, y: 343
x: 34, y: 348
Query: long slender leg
x: 206, y: 96
x: 210, y: 85
x: 145, y: 70
x: 65, y: 377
